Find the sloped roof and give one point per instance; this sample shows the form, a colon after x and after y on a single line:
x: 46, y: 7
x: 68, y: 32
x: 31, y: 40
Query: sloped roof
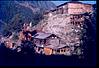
x: 56, y: 47
x: 41, y: 35
x: 73, y: 2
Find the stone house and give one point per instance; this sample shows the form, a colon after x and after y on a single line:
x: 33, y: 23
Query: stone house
x: 71, y: 8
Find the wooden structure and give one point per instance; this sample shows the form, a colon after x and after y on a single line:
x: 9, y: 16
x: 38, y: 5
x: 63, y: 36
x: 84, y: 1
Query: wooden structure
x: 46, y: 39
x: 77, y: 19
x: 71, y: 8
x: 49, y: 44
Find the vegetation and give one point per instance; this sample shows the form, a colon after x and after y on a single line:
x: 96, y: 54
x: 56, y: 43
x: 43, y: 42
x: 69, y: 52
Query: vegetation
x: 14, y: 14
x: 16, y: 23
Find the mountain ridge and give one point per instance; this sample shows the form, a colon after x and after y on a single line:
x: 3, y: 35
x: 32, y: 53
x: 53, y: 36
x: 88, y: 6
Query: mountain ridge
x: 23, y: 12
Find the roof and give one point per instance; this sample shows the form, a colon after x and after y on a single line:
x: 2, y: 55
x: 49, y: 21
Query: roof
x: 56, y: 47
x: 67, y: 3
x: 41, y: 35
x: 38, y: 45
x: 73, y: 2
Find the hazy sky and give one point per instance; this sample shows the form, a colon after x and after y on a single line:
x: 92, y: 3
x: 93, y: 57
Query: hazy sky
x: 61, y: 2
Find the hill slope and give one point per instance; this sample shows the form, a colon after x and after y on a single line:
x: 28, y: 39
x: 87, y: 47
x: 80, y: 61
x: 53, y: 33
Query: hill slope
x: 15, y: 13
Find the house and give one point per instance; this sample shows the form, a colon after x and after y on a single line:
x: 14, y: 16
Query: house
x: 74, y: 10
x: 9, y: 43
x: 45, y: 39
x: 49, y: 44
x: 71, y: 8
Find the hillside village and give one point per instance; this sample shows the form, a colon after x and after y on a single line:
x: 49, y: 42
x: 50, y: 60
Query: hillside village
x: 59, y: 33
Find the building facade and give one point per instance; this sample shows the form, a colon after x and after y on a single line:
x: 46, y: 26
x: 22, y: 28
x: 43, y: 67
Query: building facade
x: 71, y: 8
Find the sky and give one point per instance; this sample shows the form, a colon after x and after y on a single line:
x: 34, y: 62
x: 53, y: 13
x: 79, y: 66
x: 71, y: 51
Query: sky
x: 61, y: 2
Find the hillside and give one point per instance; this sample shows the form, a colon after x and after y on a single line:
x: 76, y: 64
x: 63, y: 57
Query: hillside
x: 15, y: 13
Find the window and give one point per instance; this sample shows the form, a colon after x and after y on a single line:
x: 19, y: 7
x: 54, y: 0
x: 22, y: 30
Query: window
x: 62, y: 50
x: 58, y: 50
x: 55, y: 37
x: 71, y: 18
x: 73, y: 23
x: 52, y: 37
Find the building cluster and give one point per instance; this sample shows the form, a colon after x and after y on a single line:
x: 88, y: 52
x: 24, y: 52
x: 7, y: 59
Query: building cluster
x: 46, y: 43
x: 47, y: 40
